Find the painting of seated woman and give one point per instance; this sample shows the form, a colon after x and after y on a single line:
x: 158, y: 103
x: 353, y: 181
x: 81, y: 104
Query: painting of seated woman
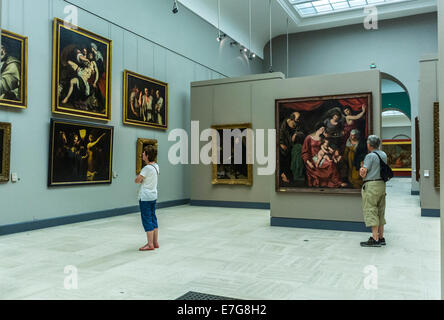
x: 321, y: 142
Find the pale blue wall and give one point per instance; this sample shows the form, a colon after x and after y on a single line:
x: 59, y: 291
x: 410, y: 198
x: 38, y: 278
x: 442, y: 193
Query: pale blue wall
x: 396, y: 48
x: 197, y: 58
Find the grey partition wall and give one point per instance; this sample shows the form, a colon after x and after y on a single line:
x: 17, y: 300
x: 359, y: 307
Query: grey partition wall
x: 428, y: 95
x: 217, y: 102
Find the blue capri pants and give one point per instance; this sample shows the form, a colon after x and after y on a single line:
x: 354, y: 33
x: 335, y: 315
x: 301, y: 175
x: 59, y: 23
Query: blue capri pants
x: 148, y: 213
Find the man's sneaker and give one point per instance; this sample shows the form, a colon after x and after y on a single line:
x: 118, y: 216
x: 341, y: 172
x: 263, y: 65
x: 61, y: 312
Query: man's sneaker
x: 382, y: 242
x: 370, y: 243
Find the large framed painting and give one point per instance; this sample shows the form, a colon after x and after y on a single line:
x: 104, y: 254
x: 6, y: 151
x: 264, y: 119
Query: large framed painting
x: 145, y: 101
x: 142, y: 143
x: 399, y: 156
x: 5, y: 150
x: 14, y: 66
x: 321, y: 142
x: 81, y: 77
x: 436, y: 153
x: 80, y: 153
x: 234, y: 166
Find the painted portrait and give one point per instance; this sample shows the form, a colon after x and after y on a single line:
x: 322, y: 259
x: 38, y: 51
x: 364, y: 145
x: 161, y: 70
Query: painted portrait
x: 5, y: 150
x: 81, y: 72
x: 232, y: 167
x: 142, y: 143
x: 145, y: 101
x: 321, y: 142
x: 13, y: 70
x: 399, y: 156
x: 80, y: 153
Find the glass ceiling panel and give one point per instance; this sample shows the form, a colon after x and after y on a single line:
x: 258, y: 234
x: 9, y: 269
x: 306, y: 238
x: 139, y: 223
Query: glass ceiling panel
x: 307, y: 8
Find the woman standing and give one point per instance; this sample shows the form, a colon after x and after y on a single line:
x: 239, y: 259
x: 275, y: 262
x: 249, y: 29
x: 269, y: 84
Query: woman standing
x: 148, y: 197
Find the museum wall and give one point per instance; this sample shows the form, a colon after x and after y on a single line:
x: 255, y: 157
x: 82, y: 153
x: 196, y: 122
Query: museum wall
x: 428, y: 94
x: 396, y: 132
x: 214, y: 102
x: 226, y: 102
x: 148, y: 53
x: 396, y: 47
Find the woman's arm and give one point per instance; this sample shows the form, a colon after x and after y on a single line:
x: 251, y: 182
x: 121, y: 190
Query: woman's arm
x: 139, y: 179
x: 358, y: 116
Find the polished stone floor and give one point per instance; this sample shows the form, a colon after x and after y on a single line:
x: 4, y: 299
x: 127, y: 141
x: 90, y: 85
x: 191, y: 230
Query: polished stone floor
x: 227, y: 252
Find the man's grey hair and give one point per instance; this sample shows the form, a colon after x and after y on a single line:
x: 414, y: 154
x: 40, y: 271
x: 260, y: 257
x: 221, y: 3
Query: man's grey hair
x: 374, y: 141
x: 356, y: 133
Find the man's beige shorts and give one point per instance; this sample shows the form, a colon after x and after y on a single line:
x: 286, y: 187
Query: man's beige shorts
x: 373, y: 203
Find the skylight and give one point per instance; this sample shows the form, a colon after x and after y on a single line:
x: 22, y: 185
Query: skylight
x: 307, y: 8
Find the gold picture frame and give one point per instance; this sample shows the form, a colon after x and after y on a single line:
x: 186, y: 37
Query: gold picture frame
x: 16, y: 49
x: 5, y: 151
x: 245, y: 170
x: 137, y: 87
x: 81, y: 72
x: 436, y: 152
x: 141, y: 144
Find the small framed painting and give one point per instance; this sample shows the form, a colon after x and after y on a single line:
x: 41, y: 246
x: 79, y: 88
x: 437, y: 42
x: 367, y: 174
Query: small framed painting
x: 141, y: 145
x: 5, y: 150
x: 145, y: 101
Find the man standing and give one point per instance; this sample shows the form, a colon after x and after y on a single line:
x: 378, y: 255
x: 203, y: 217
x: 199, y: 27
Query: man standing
x: 373, y: 193
x: 287, y: 135
x: 10, y: 76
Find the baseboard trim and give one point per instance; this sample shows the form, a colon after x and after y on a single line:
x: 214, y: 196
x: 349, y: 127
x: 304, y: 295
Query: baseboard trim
x: 435, y: 213
x: 415, y: 193
x: 231, y: 204
x: 319, y: 224
x: 59, y: 221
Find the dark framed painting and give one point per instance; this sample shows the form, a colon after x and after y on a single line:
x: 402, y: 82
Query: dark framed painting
x: 226, y: 168
x: 436, y: 153
x: 5, y: 150
x: 80, y: 153
x: 141, y: 144
x: 321, y: 142
x: 417, y: 150
x: 145, y: 101
x: 399, y: 156
x: 14, y: 66
x: 81, y: 76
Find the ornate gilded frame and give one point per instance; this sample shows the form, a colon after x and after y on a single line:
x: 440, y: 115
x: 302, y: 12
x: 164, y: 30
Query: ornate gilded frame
x: 141, y: 142
x: 436, y: 152
x: 249, y: 180
x: 23, y: 103
x: 56, y: 108
x: 6, y: 151
x: 126, y: 120
x: 369, y: 127
x: 397, y: 142
x: 81, y: 126
x: 417, y: 150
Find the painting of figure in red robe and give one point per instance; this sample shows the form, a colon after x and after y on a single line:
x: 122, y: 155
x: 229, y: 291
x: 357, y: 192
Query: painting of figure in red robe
x: 321, y: 142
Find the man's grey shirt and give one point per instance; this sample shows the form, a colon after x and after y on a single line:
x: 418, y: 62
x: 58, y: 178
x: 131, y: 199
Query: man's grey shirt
x: 371, y: 162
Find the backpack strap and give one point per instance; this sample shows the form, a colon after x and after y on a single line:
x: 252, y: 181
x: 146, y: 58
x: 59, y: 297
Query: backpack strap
x: 380, y: 159
x: 155, y: 169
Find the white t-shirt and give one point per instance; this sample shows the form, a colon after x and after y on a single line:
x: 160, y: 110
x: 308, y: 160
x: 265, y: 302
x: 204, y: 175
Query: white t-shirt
x: 148, y: 188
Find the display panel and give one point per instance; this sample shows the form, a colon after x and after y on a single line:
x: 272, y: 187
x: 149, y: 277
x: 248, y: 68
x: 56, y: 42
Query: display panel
x: 321, y: 142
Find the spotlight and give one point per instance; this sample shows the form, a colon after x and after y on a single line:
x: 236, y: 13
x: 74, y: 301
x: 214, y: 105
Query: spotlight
x: 175, y: 7
x: 245, y: 49
x: 221, y: 37
x: 252, y: 56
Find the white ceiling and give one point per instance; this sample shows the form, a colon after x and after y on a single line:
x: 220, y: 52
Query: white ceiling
x: 234, y: 18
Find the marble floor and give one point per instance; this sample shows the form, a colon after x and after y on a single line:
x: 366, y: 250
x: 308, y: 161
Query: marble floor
x: 228, y: 252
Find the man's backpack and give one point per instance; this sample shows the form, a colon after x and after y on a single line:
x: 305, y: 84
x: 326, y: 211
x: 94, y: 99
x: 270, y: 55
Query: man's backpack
x: 386, y: 172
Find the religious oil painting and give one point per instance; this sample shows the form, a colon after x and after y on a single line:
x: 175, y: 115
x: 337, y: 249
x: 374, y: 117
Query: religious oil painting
x: 321, y: 142
x: 145, y: 101
x: 399, y: 156
x: 142, y: 143
x: 5, y: 150
x: 231, y: 154
x: 80, y: 153
x: 81, y: 72
x: 13, y: 70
